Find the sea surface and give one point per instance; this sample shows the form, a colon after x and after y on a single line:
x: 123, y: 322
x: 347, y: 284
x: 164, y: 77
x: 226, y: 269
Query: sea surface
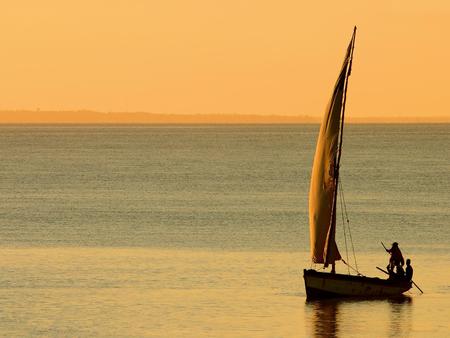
x: 202, y: 231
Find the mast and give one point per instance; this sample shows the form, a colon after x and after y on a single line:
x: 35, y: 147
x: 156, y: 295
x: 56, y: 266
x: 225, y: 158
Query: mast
x: 339, y: 150
x: 349, y: 71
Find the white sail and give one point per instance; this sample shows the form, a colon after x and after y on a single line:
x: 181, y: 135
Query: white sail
x: 324, y: 176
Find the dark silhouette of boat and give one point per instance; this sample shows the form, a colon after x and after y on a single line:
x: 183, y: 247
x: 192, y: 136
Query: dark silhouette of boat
x: 323, y: 197
x: 321, y: 285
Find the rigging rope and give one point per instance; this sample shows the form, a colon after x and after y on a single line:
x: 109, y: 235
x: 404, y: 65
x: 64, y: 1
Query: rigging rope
x: 345, y: 233
x: 341, y: 192
x: 351, y: 267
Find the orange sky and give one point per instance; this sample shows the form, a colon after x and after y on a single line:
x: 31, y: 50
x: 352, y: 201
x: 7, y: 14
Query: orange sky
x: 224, y: 57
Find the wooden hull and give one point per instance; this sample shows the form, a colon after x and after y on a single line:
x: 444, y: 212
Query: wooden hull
x: 320, y: 285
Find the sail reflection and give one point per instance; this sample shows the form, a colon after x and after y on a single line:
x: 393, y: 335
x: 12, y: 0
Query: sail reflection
x: 324, y: 318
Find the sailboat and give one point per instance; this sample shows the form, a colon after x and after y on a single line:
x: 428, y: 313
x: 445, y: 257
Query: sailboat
x: 323, y: 197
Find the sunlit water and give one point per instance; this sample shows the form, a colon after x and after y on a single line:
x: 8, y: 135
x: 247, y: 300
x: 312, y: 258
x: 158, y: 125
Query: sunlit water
x: 202, y: 231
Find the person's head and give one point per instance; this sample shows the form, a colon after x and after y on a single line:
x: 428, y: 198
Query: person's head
x: 395, y: 244
x: 408, y: 261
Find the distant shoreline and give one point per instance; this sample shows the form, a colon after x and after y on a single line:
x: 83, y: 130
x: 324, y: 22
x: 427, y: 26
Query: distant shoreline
x: 12, y: 117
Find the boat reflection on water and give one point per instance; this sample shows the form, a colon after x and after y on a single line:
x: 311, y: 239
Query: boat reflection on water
x: 401, y: 321
x: 341, y: 317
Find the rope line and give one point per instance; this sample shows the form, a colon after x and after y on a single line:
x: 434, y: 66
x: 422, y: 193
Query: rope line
x: 343, y: 226
x: 341, y: 190
x: 351, y: 267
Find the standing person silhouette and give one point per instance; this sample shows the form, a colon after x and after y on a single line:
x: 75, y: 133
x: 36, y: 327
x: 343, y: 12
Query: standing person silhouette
x: 396, y: 257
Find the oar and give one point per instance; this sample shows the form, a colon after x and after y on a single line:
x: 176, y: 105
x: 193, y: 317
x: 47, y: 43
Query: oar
x: 384, y: 246
x: 387, y: 273
x: 417, y: 286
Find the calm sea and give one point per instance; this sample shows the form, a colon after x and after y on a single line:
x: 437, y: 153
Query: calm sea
x: 202, y: 231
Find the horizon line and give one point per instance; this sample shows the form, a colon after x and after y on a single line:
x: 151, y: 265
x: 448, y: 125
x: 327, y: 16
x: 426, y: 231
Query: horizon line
x: 85, y: 117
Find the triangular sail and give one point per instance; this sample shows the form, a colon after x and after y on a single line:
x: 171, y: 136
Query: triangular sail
x: 325, y: 171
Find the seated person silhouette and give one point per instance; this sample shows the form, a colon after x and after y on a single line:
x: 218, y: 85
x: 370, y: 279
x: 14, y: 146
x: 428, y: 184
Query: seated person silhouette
x: 409, y: 270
